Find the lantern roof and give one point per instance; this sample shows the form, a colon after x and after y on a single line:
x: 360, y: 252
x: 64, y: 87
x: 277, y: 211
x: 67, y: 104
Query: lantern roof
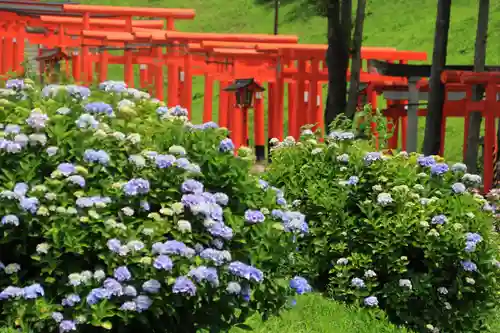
x: 244, y: 83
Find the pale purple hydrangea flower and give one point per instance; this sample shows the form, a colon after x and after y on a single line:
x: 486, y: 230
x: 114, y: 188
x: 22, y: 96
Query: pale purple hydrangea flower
x: 439, y: 219
x: 136, y: 186
x: 184, y: 286
x: 458, y: 188
x: 163, y: 262
x: 122, y: 274
x: 426, y: 161
x: 77, y: 180
x: 10, y: 219
x: 151, y: 286
x: 250, y: 273
x: 96, y: 156
x: 300, y: 285
x: 439, y: 169
x: 203, y: 273
x: 469, y: 266
x: 371, y: 301
x: 164, y: 161
x: 358, y: 283
x: 254, y: 216
x: 99, y: 108
x: 192, y: 186
x: 71, y: 300
x: 37, y: 120
x: 226, y: 145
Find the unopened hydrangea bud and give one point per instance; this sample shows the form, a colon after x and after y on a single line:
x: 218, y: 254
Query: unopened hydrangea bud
x: 42, y: 211
x: 166, y: 212
x: 177, y: 207
x: 42, y: 248
x: 154, y: 216
x: 184, y: 226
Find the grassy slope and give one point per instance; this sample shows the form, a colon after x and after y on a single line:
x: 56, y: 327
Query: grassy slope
x: 315, y: 314
x: 405, y: 24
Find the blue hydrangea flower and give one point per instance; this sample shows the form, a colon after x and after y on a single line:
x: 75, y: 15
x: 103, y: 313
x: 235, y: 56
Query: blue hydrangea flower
x: 209, y: 125
x: 426, y: 161
x: 97, y: 295
x: 178, y: 111
x: 113, y: 287
x: 99, y: 108
x: 77, y: 180
x: 136, y: 186
x: 96, y: 156
x: 10, y: 219
x: 185, y: 286
x: 203, y: 273
x: 254, y: 216
x: 458, y: 188
x: 29, y: 204
x: 358, y: 283
x: 226, y: 145
x: 11, y: 292
x: 15, y: 84
x: 162, y: 110
x: 33, y: 291
x: 219, y: 229
x: 113, y: 86
x: 37, y: 120
x: 122, y: 274
x: 66, y: 326
x: 12, y: 129
x: 371, y: 157
x: 151, y: 286
x: 281, y: 201
x: 57, y: 316
x: 250, y: 273
x: 459, y: 167
x: 371, y: 301
x: 439, y: 169
x: 216, y: 256
x: 71, y: 300
x: 163, y: 262
x: 20, y: 189
x: 129, y: 306
x: 164, y: 161
x: 87, y: 121
x: 143, y: 303
x: 300, y: 285
x: 192, y: 186
x: 468, y: 266
x: 439, y: 219
x: 78, y: 92
x: 66, y: 169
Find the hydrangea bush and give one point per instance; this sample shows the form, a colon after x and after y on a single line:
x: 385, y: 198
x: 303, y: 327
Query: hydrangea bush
x: 406, y: 233
x: 117, y: 214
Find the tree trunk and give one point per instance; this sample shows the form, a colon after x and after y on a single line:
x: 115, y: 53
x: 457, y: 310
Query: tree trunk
x: 479, y: 63
x: 432, y: 138
x: 356, y: 60
x: 337, y: 57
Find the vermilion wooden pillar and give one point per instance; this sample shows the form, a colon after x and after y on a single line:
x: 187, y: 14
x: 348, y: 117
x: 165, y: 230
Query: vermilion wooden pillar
x: 208, y: 98
x: 259, y: 135
x: 187, y: 92
x: 158, y: 74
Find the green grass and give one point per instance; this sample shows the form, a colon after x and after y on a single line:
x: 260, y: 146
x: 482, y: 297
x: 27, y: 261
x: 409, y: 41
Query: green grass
x: 315, y: 314
x: 405, y: 24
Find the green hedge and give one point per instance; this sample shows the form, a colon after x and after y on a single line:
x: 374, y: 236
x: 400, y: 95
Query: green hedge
x: 399, y: 232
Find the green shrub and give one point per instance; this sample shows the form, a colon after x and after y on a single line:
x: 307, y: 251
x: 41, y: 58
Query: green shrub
x: 119, y: 215
x: 401, y: 232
